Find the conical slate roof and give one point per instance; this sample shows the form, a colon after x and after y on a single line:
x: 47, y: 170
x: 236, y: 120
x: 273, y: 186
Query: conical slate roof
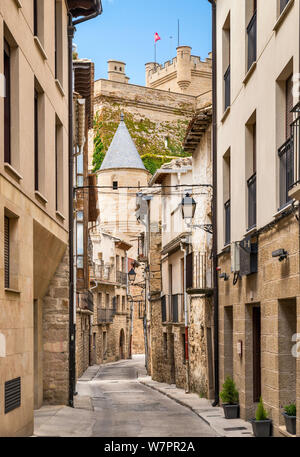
x: 122, y: 152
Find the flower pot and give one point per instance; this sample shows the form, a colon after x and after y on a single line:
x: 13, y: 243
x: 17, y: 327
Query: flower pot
x: 261, y: 429
x: 231, y: 411
x: 290, y: 423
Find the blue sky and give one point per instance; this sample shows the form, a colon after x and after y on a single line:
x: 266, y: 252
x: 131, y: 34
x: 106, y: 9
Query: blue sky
x: 125, y: 31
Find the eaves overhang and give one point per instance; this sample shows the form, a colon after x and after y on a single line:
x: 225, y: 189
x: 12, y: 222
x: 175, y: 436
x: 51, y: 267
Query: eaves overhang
x: 84, y: 8
x: 196, y: 129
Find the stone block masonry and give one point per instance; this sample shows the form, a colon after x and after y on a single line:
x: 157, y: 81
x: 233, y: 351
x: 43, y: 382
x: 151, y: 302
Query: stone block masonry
x: 56, y: 337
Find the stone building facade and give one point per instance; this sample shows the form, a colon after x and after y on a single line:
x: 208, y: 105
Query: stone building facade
x: 258, y: 227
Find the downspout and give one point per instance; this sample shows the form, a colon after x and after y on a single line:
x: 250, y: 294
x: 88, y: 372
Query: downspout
x: 187, y: 359
x: 72, y: 290
x: 214, y: 205
x: 71, y: 30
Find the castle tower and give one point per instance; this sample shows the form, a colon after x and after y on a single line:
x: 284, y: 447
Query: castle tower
x: 121, y: 167
x: 184, y: 74
x: 184, y: 69
x: 116, y: 71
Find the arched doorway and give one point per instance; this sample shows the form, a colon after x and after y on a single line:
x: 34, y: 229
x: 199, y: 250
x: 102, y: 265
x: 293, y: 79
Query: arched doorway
x: 122, y: 345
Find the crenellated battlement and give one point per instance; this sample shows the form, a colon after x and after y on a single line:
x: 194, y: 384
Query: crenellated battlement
x: 185, y: 73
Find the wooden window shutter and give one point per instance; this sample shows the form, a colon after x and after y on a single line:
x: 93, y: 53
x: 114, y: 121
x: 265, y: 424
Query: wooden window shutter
x: 6, y: 252
x: 289, y: 105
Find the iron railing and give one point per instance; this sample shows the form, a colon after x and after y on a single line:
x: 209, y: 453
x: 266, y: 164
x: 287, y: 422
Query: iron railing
x: 87, y: 301
x: 252, y: 40
x: 227, y: 86
x: 121, y: 278
x: 227, y: 223
x: 100, y: 272
x: 251, y: 184
x: 286, y: 170
x: 295, y: 144
x: 106, y: 315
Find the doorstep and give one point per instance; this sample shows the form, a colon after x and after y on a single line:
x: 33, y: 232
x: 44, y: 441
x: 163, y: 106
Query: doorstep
x: 214, y: 417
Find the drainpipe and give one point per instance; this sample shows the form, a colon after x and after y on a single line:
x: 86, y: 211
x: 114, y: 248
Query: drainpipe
x: 187, y: 360
x: 72, y: 321
x: 214, y: 206
x: 72, y: 289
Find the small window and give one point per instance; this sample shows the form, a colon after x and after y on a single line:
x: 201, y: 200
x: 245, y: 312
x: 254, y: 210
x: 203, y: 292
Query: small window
x: 7, y: 104
x: 6, y: 253
x: 115, y: 185
x: 166, y: 345
x: 120, y: 68
x: 283, y: 4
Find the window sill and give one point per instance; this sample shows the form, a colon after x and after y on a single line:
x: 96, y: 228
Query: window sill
x: 18, y: 3
x: 226, y: 113
x: 40, y: 197
x: 226, y: 247
x: 284, y: 208
x: 249, y: 73
x: 283, y: 15
x: 60, y: 87
x: 250, y: 231
x: 60, y: 215
x: 40, y: 47
x: 12, y: 171
x: 12, y: 291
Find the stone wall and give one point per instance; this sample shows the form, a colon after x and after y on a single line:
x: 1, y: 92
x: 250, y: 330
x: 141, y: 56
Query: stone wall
x: 275, y: 289
x: 82, y: 343
x: 56, y: 337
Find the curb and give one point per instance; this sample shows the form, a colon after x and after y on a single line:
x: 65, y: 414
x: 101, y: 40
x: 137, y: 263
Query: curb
x: 180, y: 402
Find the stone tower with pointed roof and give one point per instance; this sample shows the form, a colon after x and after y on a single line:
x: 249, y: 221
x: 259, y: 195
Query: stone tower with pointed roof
x: 122, y: 167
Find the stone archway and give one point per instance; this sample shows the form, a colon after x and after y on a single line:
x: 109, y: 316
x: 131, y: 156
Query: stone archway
x: 122, y: 345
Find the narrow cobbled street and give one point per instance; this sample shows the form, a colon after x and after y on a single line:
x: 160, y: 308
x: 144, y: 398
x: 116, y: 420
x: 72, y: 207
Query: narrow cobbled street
x: 112, y: 403
x: 124, y: 407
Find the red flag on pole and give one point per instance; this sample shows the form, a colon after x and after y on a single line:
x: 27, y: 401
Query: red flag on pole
x: 156, y: 37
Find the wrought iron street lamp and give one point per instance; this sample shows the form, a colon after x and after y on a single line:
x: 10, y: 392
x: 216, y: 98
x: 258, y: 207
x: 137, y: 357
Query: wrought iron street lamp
x: 132, y: 276
x: 188, y: 209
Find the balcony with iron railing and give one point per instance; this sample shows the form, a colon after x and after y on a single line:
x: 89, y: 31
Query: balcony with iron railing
x: 289, y: 156
x: 86, y: 301
x: 121, y: 278
x: 199, y: 277
x: 102, y: 273
x: 106, y: 315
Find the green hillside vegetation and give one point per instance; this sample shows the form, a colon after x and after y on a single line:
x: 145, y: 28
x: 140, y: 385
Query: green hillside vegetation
x: 156, y: 143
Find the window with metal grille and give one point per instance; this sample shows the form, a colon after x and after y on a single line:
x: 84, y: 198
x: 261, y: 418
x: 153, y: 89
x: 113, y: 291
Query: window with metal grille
x: 227, y: 222
x: 289, y: 105
x: 7, y: 104
x: 6, y: 252
x: 252, y: 39
x: 283, y: 4
x: 12, y: 395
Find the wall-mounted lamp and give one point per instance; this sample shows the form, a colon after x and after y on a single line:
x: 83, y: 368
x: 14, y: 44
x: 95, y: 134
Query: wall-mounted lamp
x: 281, y: 254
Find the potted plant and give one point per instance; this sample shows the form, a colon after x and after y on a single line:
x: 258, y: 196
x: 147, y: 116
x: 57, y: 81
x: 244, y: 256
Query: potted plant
x: 290, y: 418
x: 230, y: 399
x: 261, y: 425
